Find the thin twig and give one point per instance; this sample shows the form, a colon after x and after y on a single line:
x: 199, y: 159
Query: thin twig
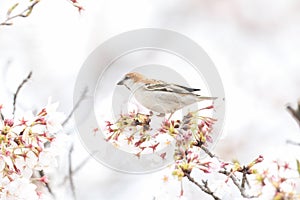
x: 18, y: 90
x: 71, y: 172
x: 83, y: 95
x: 206, y: 150
x: 24, y: 13
x: 78, y: 168
x: 247, y: 182
x: 203, y: 187
x: 76, y: 4
x: 295, y: 112
x: 244, y: 178
x: 237, y: 183
x: 296, y: 115
x: 82, y: 164
x: 240, y: 185
x: 42, y: 173
x: 1, y: 115
x: 293, y: 143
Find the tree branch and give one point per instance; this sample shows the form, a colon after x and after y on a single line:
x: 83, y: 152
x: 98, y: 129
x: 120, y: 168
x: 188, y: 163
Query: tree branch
x: 296, y: 115
x: 293, y: 143
x: 79, y: 167
x: 206, y: 150
x: 18, y: 90
x: 295, y: 112
x: 77, y: 5
x: 1, y: 115
x: 203, y: 187
x: 83, y: 95
x: 238, y: 184
x: 23, y: 14
x: 71, y: 172
x: 42, y: 173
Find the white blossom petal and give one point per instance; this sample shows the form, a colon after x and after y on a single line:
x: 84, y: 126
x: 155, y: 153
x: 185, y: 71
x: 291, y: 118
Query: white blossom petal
x: 2, y: 163
x: 46, y: 160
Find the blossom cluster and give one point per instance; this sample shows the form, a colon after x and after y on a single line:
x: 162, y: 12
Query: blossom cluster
x: 280, y: 181
x: 191, y: 136
x: 25, y: 146
x: 135, y: 128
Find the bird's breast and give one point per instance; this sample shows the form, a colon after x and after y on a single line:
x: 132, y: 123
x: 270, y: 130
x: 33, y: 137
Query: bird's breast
x: 163, y: 102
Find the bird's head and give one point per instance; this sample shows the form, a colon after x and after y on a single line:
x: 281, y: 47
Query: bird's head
x: 131, y: 79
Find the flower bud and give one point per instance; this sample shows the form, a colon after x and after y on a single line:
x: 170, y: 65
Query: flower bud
x: 9, y: 122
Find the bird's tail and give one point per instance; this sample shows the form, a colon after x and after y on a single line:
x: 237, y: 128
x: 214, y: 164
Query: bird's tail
x: 206, y: 98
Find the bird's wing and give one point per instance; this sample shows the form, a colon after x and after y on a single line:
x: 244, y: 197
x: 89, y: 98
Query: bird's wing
x: 166, y: 87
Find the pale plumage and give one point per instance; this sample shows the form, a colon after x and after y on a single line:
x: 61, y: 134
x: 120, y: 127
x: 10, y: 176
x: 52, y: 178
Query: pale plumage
x: 159, y: 96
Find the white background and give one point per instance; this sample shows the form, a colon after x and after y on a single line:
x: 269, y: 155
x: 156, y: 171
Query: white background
x: 255, y: 45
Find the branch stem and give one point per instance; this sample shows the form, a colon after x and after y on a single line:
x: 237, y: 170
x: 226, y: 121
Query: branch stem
x: 42, y: 173
x: 18, y: 90
x: 24, y: 13
x: 83, y: 95
x: 70, y: 171
x: 203, y: 187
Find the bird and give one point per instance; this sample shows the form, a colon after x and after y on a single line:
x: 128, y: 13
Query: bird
x: 159, y: 96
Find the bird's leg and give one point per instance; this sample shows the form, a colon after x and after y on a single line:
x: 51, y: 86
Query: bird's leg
x: 170, y: 116
x: 161, y: 115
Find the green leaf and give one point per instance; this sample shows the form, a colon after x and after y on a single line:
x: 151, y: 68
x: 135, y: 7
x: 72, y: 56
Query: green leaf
x: 298, y: 166
x: 11, y: 9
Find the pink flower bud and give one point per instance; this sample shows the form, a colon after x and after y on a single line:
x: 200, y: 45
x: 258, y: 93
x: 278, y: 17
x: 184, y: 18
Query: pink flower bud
x: 208, y: 107
x: 7, y: 153
x: 223, y: 164
x: 43, y: 112
x: 42, y: 120
x: 44, y: 179
x: 9, y: 122
x: 39, y: 193
x: 259, y: 159
x: 162, y: 130
x: 163, y: 155
x: 108, y: 123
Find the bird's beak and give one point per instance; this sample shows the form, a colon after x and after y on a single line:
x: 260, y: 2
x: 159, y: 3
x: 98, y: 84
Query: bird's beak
x: 120, y: 82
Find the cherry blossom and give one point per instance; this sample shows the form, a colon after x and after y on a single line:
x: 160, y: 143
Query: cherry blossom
x: 25, y: 146
x: 21, y: 189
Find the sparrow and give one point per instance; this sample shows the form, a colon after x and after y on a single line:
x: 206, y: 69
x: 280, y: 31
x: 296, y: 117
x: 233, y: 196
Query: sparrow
x: 159, y: 96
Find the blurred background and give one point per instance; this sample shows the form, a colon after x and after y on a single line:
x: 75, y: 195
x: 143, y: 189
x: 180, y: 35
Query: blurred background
x: 255, y: 45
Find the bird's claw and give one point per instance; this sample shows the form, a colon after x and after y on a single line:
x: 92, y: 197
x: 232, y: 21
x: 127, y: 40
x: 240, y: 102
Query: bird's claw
x: 161, y: 115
